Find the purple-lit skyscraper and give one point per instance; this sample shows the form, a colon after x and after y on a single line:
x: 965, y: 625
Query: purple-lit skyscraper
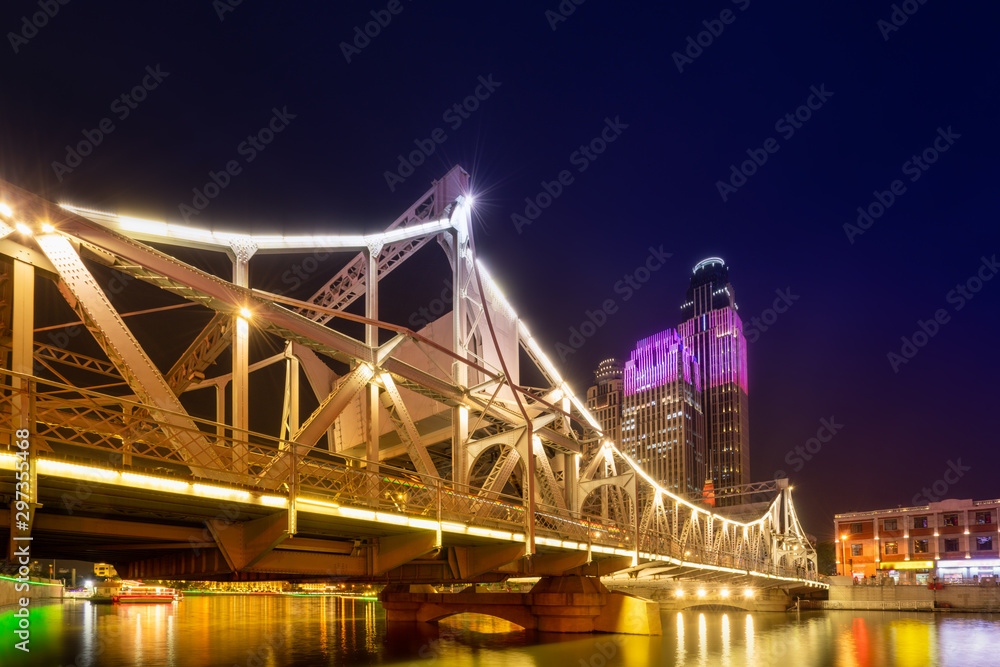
x: 662, y: 422
x: 712, y: 328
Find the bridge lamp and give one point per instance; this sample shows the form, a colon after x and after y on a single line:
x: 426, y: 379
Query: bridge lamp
x: 245, y: 313
x: 701, y: 592
x: 5, y: 210
x: 724, y: 592
x: 48, y: 228
x: 23, y: 228
x: 679, y: 593
x: 748, y: 593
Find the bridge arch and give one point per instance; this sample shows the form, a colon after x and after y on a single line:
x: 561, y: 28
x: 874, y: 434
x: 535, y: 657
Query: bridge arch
x: 518, y: 614
x: 608, y: 499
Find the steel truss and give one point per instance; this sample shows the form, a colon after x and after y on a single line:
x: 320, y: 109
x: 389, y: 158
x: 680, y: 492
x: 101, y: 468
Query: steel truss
x: 451, y: 389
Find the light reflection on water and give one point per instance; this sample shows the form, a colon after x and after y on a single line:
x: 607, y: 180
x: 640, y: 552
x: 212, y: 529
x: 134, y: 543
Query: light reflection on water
x: 279, y: 631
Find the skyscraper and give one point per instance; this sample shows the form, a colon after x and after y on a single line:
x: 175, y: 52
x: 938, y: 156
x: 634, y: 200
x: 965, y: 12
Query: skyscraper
x: 662, y: 421
x: 713, y: 329
x: 604, y: 400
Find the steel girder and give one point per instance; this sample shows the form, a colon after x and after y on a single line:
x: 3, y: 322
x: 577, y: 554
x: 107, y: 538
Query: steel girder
x: 201, y: 354
x: 92, y: 306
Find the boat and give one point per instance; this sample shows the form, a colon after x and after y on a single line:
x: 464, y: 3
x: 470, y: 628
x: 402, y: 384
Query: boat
x: 133, y: 592
x: 136, y: 593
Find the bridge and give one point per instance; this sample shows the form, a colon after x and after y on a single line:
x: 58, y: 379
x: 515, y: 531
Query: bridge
x: 400, y: 456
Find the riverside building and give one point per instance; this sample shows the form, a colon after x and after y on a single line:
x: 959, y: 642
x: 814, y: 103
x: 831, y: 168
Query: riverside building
x: 954, y: 540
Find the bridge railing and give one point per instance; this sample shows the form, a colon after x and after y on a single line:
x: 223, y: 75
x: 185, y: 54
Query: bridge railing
x: 85, y: 427
x: 658, y: 543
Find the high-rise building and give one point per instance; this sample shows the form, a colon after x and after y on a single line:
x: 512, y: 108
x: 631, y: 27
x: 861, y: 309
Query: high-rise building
x: 662, y: 421
x: 713, y: 330
x: 604, y: 400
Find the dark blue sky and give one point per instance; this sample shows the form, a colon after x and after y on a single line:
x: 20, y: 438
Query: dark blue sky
x: 678, y: 134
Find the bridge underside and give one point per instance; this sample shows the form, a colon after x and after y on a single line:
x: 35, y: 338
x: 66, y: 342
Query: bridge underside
x: 153, y: 535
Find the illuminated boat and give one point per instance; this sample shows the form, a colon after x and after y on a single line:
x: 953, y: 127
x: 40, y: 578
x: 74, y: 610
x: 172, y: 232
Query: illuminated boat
x: 134, y: 592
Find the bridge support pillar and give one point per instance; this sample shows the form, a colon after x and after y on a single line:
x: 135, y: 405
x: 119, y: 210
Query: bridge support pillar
x: 570, y: 603
x: 567, y: 603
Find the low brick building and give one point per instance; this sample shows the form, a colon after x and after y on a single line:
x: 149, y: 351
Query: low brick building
x: 950, y: 539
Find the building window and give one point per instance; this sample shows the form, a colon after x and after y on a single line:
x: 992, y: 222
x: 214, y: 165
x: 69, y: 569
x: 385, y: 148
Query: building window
x: 951, y: 519
x: 856, y: 550
x: 919, y: 522
x: 951, y: 544
x: 919, y: 546
x: 892, y: 547
x: 984, y: 544
x: 984, y: 517
x: 889, y: 524
x: 855, y: 528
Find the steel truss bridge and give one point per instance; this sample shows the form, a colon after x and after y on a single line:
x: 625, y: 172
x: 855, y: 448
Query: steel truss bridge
x: 399, y: 456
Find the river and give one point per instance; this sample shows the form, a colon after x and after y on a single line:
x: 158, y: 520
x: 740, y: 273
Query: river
x: 284, y: 631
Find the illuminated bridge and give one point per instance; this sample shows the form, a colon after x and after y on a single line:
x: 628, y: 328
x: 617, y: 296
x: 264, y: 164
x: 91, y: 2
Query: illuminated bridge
x: 305, y: 438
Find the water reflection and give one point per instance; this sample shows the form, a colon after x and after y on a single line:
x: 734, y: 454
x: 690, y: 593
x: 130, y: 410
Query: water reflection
x: 702, y: 640
x: 281, y: 631
x: 680, y: 639
x: 725, y: 639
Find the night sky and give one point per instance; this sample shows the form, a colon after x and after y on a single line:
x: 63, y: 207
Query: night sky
x: 682, y: 115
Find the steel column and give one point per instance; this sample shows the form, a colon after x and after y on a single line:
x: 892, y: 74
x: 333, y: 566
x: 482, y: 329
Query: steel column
x: 372, y: 405
x: 241, y: 253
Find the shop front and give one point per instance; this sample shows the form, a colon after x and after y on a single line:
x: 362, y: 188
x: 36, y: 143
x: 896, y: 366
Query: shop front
x: 976, y: 569
x: 908, y: 571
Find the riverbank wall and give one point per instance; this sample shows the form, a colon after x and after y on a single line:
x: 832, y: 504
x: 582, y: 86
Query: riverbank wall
x: 949, y: 597
x: 38, y: 589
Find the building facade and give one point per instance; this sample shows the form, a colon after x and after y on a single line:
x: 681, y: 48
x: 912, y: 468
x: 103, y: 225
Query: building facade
x: 713, y: 331
x: 604, y: 400
x: 663, y: 425
x: 951, y: 539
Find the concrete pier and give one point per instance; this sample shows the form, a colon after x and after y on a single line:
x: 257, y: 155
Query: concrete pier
x: 555, y: 604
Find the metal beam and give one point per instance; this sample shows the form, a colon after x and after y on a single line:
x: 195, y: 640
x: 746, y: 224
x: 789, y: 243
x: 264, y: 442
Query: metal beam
x: 392, y: 401
x: 201, y: 353
x: 85, y: 296
x: 345, y: 287
x: 551, y: 564
x: 394, y: 550
x: 330, y: 408
x: 468, y: 562
x: 243, y: 544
